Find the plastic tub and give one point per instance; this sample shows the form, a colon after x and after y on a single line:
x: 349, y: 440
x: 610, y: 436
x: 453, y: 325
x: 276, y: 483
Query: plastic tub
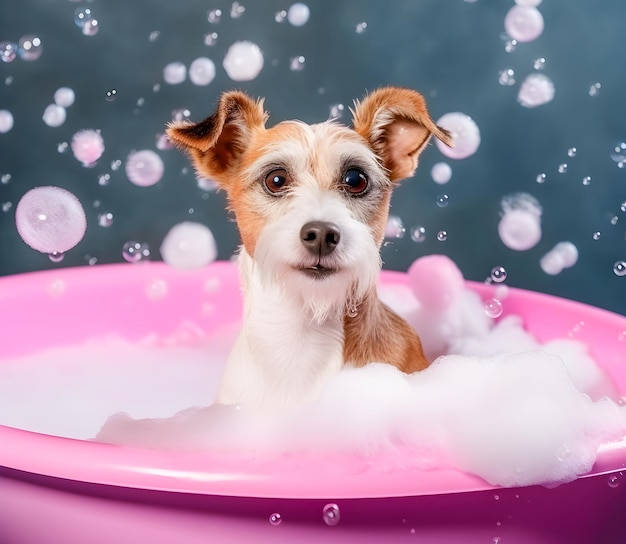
x: 58, y: 490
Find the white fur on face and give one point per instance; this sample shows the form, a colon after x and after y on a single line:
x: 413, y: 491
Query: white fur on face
x: 315, y: 195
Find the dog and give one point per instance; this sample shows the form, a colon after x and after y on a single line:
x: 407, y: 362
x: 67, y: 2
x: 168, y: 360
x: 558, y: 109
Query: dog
x: 311, y: 203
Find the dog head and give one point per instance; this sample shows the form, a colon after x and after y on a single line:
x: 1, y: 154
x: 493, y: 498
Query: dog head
x: 311, y: 201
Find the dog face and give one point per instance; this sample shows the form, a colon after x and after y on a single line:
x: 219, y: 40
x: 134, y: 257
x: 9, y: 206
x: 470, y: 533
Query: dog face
x: 311, y: 201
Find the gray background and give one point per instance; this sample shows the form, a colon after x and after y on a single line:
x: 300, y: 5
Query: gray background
x: 450, y: 50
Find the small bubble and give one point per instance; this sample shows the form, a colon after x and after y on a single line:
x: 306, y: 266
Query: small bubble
x: 81, y: 16
x: 622, y: 206
x: 210, y: 39
x: 587, y: 180
x: 539, y: 63
x: 62, y: 147
x: 115, y: 165
x: 298, y: 14
x: 91, y: 28
x: 6, y: 206
x: 442, y: 200
x: 619, y: 268
x: 237, y: 10
x: 30, y: 47
x: 613, y: 481
x: 134, y: 252
x: 280, y: 16
x: 5, y: 178
x: 498, y: 274
x: 8, y: 80
x: 276, y: 519
x: 418, y: 234
x: 510, y: 46
x: 442, y: 235
x: 91, y: 261
x: 105, y: 219
x: 296, y: 64
x: 496, y: 497
x: 8, y: 51
x: 395, y: 227
x: 595, y: 89
x: 507, y: 77
x: 493, y: 308
x: 214, y: 16
x: 181, y: 114
x: 154, y: 36
x: 571, y: 152
x: 596, y: 235
x: 614, y: 220
x: 56, y: 256
x: 562, y: 168
x: 104, y: 179
x: 541, y: 178
x: 361, y: 27
x: 110, y: 95
x: 336, y: 111
x: 331, y: 514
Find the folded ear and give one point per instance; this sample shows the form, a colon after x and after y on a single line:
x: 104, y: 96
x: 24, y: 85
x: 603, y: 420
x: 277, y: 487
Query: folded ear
x: 217, y: 143
x: 397, y: 126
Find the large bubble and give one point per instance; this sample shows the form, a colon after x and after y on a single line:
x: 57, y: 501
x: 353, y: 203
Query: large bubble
x: 50, y: 219
x: 243, y: 61
x: 465, y: 134
x: 188, y: 246
x: 202, y: 71
x: 144, y: 168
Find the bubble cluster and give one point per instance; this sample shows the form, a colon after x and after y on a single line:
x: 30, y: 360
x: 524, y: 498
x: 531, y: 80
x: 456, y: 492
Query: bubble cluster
x: 144, y: 168
x: 243, y: 61
x: 188, y: 246
x: 465, y: 134
x: 536, y: 90
x: 507, y: 77
x: 87, y: 146
x: 562, y: 255
x: 50, y: 219
x: 520, y: 225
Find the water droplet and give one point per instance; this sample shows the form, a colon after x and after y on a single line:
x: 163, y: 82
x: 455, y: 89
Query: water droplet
x: 418, y: 234
x: 280, y: 16
x: 587, y: 180
x: 539, y: 63
x: 331, y: 514
x: 442, y: 235
x: 498, y: 274
x: 442, y: 200
x: 562, y: 168
x: 571, y: 152
x: 81, y: 16
x: 613, y: 481
x: 619, y: 268
x: 134, y: 252
x: 614, y: 220
x: 236, y: 10
x: 56, y: 256
x: 110, y: 95
x: 618, y: 154
x: 6, y: 206
x: 105, y: 219
x: 395, y: 227
x: 104, y: 179
x: 353, y: 311
x: 296, y: 64
x: 510, y: 46
x: 361, y: 27
x: 622, y: 206
x: 594, y: 90
x: 276, y: 519
x: 507, y: 77
x: 210, y: 39
x: 541, y: 178
x: 214, y: 16
x: 493, y: 308
x: 336, y: 111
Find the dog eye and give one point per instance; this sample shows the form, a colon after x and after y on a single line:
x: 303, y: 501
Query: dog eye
x: 355, y: 181
x: 277, y: 181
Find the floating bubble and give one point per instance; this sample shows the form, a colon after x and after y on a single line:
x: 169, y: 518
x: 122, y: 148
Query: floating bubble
x: 568, y: 252
x: 134, y: 252
x: 6, y: 206
x: 535, y: 90
x: 587, y: 180
x: 276, y: 519
x: 81, y: 16
x: 188, y: 246
x: 214, y: 16
x: 562, y: 168
x: 336, y: 111
x: 613, y: 481
x: 30, y: 47
x: 571, y: 152
x: 210, y: 38
x: 91, y: 27
x: 115, y: 165
x: 207, y: 184
x: 104, y: 179
x: 498, y: 274
x: 298, y: 14
x: 296, y: 64
x: 174, y: 73
x: 614, y: 220
x: 56, y: 256
x: 619, y: 152
x: 6, y: 121
x: 619, y: 268
x: 154, y: 36
x: 163, y: 142
x: 144, y: 168
x: 64, y: 97
x: 202, y: 71
x: 54, y: 115
x: 418, y: 234
x: 361, y: 27
x: 105, y: 219
x: 441, y: 173
x: 110, y: 95
x: 50, y: 219
x: 331, y: 514
x: 395, y: 227
x: 539, y: 63
x: 523, y: 23
x: 62, y: 147
x: 237, y: 10
x: 622, y: 206
x: 87, y: 146
x: 280, y: 16
x: 5, y: 178
x: 8, y: 51
x: 442, y: 235
x: 510, y: 46
x: 596, y: 235
x: 493, y: 308
x: 541, y: 178
x: 243, y: 61
x: 520, y: 226
x: 465, y: 134
x: 507, y: 77
x: 443, y: 200
x: 594, y: 90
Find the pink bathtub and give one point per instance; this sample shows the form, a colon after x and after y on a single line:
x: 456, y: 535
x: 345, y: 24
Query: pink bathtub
x: 56, y: 490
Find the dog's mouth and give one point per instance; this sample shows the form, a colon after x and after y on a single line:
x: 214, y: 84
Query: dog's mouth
x: 318, y: 271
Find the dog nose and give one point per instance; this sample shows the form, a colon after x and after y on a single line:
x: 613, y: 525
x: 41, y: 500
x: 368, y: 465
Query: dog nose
x: 320, y: 237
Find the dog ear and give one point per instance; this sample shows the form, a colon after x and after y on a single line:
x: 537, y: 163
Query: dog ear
x: 217, y: 143
x: 397, y: 126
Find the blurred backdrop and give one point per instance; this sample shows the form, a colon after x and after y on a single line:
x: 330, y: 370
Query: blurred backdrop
x: 116, y: 57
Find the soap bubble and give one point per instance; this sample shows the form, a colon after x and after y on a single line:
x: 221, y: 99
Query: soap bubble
x: 110, y: 95
x: 539, y: 63
x: 134, y: 252
x: 214, y: 16
x: 81, y: 16
x: 8, y: 51
x: 56, y: 256
x: 535, y: 90
x: 441, y: 173
x: 507, y: 77
x: 442, y: 235
x: 87, y: 146
x: 276, y: 519
x: 520, y: 226
x: 619, y: 268
x: 243, y: 61
x: 523, y: 23
x: 174, y: 73
x: 210, y: 38
x: 568, y: 253
x: 91, y: 27
x: 493, y: 308
x: 237, y: 10
x: 498, y: 274
x: 296, y: 64
x: 336, y: 111
x: 562, y: 168
x: 395, y: 227
x: 30, y: 47
x: 331, y: 514
x: 587, y: 180
x: 64, y: 97
x: 541, y: 178
x: 571, y: 152
x: 202, y: 71
x: 442, y: 200
x: 189, y: 246
x: 595, y: 89
x: 6, y: 121
x: 280, y: 16
x: 465, y: 134
x: 50, y: 219
x: 361, y: 27
x: 54, y: 115
x: 298, y: 14
x: 562, y: 255
x: 418, y: 234
x: 144, y: 168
